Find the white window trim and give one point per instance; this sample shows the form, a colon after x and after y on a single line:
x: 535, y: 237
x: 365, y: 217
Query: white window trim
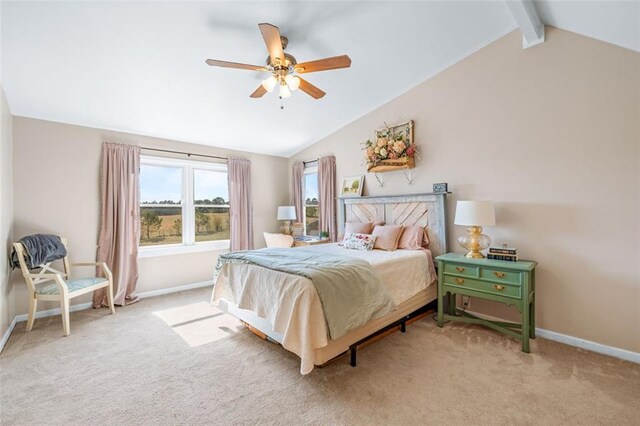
x: 307, y: 171
x: 189, y: 244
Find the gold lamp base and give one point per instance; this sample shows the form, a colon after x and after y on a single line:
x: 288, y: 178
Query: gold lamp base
x: 474, y: 241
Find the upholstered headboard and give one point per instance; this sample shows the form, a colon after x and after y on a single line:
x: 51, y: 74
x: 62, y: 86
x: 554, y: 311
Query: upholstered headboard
x: 427, y: 210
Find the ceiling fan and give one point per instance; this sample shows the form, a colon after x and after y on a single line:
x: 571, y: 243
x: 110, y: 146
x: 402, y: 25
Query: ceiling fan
x: 284, y: 68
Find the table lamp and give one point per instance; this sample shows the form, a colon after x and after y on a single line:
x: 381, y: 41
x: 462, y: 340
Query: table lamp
x: 475, y: 215
x: 287, y: 213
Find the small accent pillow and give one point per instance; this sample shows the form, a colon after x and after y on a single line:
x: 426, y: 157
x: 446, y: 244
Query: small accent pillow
x: 387, y: 236
x: 358, y: 241
x: 413, y: 238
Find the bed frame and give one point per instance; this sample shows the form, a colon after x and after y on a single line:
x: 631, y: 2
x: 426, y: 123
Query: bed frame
x: 426, y: 210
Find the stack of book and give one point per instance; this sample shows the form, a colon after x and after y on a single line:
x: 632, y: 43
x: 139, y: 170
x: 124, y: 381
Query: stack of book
x: 503, y: 252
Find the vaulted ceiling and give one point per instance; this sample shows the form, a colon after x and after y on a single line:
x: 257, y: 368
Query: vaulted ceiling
x: 139, y: 67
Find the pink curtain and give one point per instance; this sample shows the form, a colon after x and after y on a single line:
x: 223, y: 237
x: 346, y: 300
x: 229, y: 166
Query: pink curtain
x: 327, y: 196
x: 240, y: 208
x: 298, y: 190
x: 119, y: 221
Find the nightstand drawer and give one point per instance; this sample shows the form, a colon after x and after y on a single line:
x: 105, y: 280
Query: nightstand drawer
x: 513, y: 277
x: 484, y: 286
x: 467, y: 271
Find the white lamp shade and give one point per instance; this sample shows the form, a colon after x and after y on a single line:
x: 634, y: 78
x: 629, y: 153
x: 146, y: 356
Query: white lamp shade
x: 475, y: 213
x: 286, y: 213
x: 292, y: 81
x: 269, y: 83
x: 284, y: 91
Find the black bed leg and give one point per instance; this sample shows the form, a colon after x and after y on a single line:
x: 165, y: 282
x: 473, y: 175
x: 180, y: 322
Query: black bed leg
x: 403, y: 327
x: 353, y: 356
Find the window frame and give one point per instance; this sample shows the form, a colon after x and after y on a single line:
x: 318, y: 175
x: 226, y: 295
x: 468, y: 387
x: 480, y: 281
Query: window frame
x: 187, y: 204
x: 310, y: 170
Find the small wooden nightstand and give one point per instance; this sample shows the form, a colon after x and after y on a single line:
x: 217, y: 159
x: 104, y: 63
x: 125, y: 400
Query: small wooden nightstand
x: 309, y: 242
x: 512, y: 283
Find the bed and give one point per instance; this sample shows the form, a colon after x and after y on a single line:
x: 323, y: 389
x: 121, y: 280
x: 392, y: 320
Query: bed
x: 286, y: 307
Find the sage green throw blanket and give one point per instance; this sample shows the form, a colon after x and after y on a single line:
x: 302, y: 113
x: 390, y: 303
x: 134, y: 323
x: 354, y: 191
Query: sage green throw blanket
x: 350, y: 291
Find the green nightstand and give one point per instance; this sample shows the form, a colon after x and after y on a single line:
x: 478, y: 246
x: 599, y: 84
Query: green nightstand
x: 513, y: 283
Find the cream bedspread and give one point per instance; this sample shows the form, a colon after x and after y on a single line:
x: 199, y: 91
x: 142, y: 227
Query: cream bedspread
x: 290, y: 303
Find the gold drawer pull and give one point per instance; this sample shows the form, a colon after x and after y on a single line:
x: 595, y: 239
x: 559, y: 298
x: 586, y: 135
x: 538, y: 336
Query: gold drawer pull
x: 498, y: 287
x: 499, y: 274
x: 460, y: 281
x: 459, y: 269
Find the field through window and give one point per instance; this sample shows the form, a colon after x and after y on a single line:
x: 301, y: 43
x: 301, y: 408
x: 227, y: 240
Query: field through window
x: 166, y: 219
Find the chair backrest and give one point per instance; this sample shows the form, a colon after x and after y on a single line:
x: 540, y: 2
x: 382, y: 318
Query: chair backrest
x: 278, y: 240
x: 44, y: 268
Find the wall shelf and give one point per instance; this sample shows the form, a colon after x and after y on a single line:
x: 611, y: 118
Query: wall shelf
x: 390, y: 165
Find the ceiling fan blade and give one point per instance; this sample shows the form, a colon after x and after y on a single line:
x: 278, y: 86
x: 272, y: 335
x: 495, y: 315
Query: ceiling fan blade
x: 333, y: 63
x: 226, y: 64
x: 271, y: 35
x: 310, y: 89
x: 259, y: 92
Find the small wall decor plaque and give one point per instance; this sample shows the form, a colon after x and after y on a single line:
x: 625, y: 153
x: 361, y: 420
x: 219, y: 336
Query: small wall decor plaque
x: 440, y: 188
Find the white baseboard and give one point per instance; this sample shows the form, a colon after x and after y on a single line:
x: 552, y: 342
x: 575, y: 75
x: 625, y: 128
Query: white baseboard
x: 589, y: 345
x: 54, y: 311
x: 169, y: 290
x: 577, y: 342
x: 7, y: 333
x: 82, y: 306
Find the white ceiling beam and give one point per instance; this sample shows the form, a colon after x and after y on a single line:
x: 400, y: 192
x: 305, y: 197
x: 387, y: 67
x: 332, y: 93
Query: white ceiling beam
x: 528, y: 20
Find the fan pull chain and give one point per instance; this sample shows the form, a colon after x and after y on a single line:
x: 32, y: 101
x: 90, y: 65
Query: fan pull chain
x: 281, y: 102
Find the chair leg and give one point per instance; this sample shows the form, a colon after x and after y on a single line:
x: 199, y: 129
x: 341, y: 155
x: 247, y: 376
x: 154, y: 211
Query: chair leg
x: 64, y: 307
x: 33, y: 307
x: 110, y: 298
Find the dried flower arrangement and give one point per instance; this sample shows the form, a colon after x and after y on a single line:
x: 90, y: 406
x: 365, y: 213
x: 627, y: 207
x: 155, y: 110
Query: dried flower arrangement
x: 393, y: 147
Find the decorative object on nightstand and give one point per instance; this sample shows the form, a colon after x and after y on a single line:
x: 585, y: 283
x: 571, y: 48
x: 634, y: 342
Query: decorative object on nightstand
x: 512, y: 283
x: 503, y: 252
x: 475, y: 215
x: 286, y: 213
x: 297, y: 229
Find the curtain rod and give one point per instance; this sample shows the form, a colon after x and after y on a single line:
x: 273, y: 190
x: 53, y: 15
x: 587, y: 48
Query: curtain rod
x: 310, y: 161
x: 188, y: 154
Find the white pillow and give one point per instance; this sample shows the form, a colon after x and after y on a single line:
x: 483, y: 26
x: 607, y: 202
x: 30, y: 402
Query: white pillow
x: 355, y: 241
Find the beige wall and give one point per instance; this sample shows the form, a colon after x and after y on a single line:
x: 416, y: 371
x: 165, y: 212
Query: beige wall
x: 552, y: 135
x: 57, y: 191
x: 7, y: 308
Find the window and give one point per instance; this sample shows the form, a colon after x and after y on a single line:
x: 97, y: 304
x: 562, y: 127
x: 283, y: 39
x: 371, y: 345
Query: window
x: 311, y: 201
x: 183, y: 206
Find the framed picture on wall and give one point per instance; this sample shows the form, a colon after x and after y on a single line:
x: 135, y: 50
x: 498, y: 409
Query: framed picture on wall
x: 352, y: 186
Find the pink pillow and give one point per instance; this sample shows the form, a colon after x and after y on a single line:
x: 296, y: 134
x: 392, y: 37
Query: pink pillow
x: 387, y: 236
x: 357, y: 228
x: 413, y: 238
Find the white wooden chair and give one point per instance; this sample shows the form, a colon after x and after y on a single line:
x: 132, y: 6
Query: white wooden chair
x: 50, y: 284
x: 278, y: 240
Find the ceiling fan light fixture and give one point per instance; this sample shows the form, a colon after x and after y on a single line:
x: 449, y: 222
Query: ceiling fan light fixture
x: 270, y: 83
x: 292, y: 81
x: 284, y: 91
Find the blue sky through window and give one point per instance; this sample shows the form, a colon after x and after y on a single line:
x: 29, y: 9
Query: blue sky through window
x: 164, y: 183
x: 311, y: 186
x: 208, y: 185
x: 160, y: 183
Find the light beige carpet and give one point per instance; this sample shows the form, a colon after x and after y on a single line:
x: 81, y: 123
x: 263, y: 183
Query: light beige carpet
x: 175, y: 360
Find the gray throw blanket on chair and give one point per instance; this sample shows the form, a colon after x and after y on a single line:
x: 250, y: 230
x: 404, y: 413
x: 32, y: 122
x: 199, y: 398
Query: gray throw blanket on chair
x: 39, y: 248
